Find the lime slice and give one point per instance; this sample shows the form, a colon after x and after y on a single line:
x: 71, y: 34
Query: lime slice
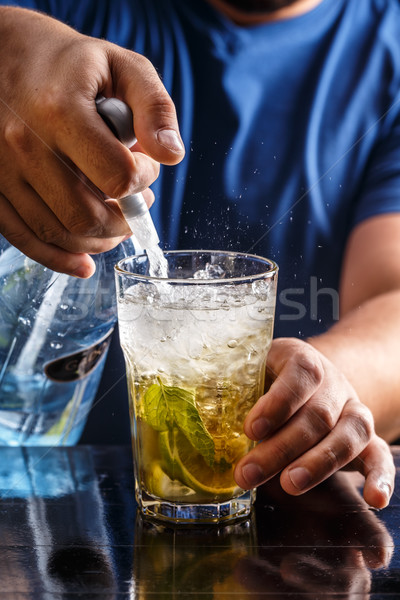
x: 181, y: 462
x: 160, y: 485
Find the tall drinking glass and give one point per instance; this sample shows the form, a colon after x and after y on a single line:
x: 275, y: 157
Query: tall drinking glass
x: 195, y: 347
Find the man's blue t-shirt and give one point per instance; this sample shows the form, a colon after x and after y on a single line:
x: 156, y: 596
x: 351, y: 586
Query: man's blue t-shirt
x: 292, y: 131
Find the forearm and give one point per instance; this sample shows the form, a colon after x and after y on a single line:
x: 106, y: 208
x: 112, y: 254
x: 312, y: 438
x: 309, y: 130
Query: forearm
x: 365, y: 346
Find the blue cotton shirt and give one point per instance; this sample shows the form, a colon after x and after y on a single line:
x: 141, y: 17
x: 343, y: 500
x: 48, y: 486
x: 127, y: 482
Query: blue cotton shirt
x: 292, y: 131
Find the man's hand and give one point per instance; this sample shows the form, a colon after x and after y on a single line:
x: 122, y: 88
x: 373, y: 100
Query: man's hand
x: 56, y: 154
x: 311, y: 423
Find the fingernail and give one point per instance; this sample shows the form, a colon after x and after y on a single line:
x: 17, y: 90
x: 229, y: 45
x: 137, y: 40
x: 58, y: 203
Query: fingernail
x: 260, y: 428
x: 253, y: 474
x: 170, y: 139
x: 300, y: 477
x: 384, y: 487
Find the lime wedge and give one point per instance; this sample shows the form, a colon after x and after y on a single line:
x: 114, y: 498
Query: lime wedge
x: 183, y: 463
x: 160, y: 485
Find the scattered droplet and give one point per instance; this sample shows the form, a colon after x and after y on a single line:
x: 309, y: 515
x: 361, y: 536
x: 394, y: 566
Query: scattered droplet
x: 24, y: 321
x: 56, y: 345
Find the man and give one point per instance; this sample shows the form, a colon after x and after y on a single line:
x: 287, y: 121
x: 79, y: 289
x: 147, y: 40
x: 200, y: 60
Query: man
x: 289, y: 111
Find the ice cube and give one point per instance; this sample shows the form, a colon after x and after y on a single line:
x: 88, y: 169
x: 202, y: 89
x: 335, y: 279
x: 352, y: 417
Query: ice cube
x: 210, y: 272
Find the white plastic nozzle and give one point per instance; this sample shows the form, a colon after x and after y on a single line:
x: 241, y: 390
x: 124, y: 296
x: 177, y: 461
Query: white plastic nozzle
x: 136, y: 213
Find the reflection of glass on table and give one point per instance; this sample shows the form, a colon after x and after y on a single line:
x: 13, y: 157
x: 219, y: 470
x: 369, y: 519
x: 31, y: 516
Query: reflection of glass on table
x: 200, y: 561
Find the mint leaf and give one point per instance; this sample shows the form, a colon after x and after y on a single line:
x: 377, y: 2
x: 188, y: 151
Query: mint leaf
x: 166, y: 405
x: 155, y: 409
x: 187, y: 418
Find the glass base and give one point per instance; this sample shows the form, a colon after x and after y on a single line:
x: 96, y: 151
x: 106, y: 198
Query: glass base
x: 180, y: 513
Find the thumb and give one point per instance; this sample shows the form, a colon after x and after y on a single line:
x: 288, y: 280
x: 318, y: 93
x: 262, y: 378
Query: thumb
x: 154, y: 115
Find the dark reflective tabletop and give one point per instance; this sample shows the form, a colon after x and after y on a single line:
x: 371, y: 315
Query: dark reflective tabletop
x: 69, y: 529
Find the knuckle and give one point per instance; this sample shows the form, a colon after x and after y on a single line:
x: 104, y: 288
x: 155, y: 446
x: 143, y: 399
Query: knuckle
x: 123, y: 181
x: 52, y: 103
x: 163, y: 107
x: 19, y: 238
x: 143, y: 63
x: 309, y: 366
x: 50, y: 235
x: 17, y: 136
x: 88, y: 224
x: 323, y: 416
x: 155, y: 95
x: 132, y: 175
x: 331, y: 459
x: 361, y: 421
x: 284, y: 452
x: 153, y: 88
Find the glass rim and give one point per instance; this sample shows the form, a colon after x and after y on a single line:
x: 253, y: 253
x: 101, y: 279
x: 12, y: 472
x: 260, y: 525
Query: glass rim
x: 190, y: 280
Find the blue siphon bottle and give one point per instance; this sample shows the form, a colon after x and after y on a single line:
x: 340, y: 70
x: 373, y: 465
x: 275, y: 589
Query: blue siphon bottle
x: 55, y: 331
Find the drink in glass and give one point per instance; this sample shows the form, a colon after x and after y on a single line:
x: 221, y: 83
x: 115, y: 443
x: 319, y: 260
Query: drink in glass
x: 195, y: 347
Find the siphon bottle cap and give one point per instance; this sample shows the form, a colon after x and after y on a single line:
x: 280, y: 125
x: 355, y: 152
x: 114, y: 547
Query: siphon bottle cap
x: 119, y: 118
